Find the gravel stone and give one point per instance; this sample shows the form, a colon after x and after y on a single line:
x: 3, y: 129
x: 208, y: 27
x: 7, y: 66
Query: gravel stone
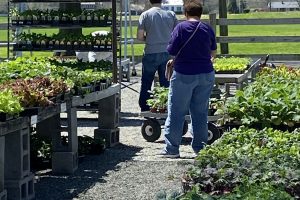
x: 131, y: 170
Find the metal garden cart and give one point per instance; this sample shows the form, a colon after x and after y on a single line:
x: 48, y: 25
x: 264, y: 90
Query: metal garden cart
x: 151, y: 127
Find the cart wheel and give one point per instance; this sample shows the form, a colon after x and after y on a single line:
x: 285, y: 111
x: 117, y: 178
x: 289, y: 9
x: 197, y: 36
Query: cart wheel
x: 133, y: 73
x: 151, y: 130
x: 185, y: 128
x: 213, y: 133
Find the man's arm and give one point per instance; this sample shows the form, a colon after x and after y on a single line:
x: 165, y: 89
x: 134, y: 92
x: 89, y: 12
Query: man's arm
x: 141, y: 35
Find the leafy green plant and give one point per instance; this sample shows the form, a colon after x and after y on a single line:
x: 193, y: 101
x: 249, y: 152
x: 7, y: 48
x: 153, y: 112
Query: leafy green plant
x: 90, y: 146
x: 40, y: 151
x: 41, y: 17
x: 159, y: 100
x: 60, y: 40
x: 272, y: 100
x: 36, y: 92
x: 249, y: 158
x: 248, y: 192
x: 72, y: 72
x: 9, y: 103
x: 231, y: 64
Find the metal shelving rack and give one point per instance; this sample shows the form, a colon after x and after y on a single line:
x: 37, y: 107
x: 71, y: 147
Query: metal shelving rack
x: 125, y: 63
x: 114, y: 26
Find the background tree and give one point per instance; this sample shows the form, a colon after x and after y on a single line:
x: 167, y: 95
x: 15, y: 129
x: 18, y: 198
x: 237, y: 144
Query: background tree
x: 232, y: 7
x: 147, y: 5
x: 243, y: 5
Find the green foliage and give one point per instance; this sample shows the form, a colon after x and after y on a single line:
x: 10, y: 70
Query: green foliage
x: 9, y: 103
x: 248, y: 163
x: 248, y: 192
x: 272, y: 100
x: 63, y: 40
x: 40, y: 149
x: 36, y: 92
x: 61, y: 15
x: 36, y: 80
x: 80, y: 74
x: 159, y: 99
x: 231, y: 64
x: 24, y: 67
x: 89, y: 146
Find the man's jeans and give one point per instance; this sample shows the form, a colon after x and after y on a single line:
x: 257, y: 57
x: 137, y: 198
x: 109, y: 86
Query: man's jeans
x: 188, y: 94
x: 152, y: 63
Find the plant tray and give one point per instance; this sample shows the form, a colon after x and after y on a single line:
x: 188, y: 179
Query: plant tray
x: 30, y: 111
x: 86, y: 23
x: 231, y: 72
x: 83, y: 90
x: 47, y: 47
x: 60, y: 1
x: 36, y: 110
x: 61, y: 98
x: 6, y: 117
x: 155, y: 110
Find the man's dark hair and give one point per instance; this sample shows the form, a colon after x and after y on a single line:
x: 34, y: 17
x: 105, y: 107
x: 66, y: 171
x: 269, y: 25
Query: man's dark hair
x: 155, y: 1
x: 193, y: 8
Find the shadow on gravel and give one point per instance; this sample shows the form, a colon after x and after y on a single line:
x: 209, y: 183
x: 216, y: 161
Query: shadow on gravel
x: 92, y: 170
x: 125, y: 122
x: 126, y: 119
x: 129, y: 114
x: 130, y: 119
x: 184, y: 141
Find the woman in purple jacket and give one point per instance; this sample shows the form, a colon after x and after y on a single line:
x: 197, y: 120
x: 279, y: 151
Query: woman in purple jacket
x: 192, y: 80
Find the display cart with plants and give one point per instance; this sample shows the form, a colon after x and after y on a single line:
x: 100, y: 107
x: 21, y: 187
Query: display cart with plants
x: 232, y: 72
x: 80, y: 83
x: 155, y: 118
x: 24, y: 93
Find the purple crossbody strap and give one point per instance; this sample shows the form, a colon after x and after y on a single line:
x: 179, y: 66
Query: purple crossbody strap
x: 187, y: 41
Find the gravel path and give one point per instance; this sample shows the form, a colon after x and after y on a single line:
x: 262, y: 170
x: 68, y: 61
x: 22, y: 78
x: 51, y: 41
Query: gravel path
x: 131, y: 170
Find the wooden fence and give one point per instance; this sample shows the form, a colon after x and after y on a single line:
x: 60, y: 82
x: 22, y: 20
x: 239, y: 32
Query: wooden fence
x: 225, y: 39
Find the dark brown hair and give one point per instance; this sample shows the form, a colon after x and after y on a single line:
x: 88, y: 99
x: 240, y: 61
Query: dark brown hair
x: 155, y: 1
x: 193, y: 8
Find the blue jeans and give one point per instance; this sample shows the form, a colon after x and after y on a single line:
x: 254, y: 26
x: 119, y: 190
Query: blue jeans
x: 152, y: 63
x: 188, y: 94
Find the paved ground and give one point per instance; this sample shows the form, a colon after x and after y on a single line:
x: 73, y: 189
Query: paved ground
x: 131, y: 170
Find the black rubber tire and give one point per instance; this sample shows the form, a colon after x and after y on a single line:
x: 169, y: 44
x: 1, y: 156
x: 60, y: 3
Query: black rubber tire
x: 185, y: 128
x: 151, y: 130
x: 213, y: 133
x: 133, y: 73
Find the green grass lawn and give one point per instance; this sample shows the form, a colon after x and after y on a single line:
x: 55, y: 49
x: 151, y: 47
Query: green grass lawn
x: 234, y: 30
x: 3, y: 19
